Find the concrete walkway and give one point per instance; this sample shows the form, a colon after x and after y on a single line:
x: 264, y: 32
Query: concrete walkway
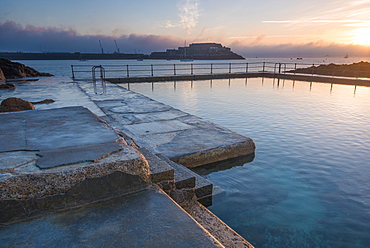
x: 183, y: 138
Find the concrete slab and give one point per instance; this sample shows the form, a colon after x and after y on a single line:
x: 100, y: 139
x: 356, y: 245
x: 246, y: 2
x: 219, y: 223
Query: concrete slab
x: 75, y: 154
x: 146, y: 219
x: 160, y: 171
x: 12, y: 133
x: 81, y: 134
x: 62, y: 90
x: 184, y: 138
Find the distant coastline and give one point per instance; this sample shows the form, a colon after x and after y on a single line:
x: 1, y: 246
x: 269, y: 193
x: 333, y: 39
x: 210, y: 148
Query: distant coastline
x: 69, y: 56
x: 195, y: 51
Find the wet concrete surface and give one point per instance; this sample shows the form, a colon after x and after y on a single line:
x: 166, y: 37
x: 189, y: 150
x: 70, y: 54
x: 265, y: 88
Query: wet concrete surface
x: 145, y: 219
x: 182, y: 137
x: 73, y: 127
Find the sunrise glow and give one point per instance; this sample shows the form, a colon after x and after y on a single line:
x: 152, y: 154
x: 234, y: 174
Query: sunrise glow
x: 362, y: 37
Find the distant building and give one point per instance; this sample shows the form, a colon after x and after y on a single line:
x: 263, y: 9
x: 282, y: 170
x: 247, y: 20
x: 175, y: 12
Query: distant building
x: 198, y: 51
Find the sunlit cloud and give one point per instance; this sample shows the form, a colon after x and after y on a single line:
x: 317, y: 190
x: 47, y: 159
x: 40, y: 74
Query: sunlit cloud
x: 188, y: 14
x: 311, y: 49
x: 318, y: 21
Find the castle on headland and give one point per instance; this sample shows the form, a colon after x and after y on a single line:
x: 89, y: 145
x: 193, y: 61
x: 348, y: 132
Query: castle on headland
x: 203, y: 51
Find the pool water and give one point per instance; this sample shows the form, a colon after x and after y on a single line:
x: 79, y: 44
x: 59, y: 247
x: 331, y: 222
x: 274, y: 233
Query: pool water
x: 308, y: 184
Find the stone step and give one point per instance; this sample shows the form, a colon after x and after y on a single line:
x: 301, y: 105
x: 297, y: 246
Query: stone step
x: 160, y: 171
x: 203, y: 187
x: 183, y: 177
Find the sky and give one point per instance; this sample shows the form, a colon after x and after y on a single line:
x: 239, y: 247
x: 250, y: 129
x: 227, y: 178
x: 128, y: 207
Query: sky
x: 269, y: 28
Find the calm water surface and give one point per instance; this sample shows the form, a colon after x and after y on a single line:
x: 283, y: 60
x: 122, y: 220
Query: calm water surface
x: 308, y: 185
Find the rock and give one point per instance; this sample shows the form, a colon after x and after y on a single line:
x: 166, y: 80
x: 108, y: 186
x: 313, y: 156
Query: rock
x: 360, y: 69
x: 47, y: 101
x: 6, y: 86
x: 18, y: 70
x: 15, y: 104
x: 2, y: 76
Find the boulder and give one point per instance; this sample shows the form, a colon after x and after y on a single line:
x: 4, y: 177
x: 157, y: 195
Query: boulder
x: 15, y: 104
x: 18, y: 70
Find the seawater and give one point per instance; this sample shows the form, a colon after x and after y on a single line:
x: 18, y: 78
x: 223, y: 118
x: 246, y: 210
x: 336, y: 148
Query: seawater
x: 63, y: 67
x: 308, y: 185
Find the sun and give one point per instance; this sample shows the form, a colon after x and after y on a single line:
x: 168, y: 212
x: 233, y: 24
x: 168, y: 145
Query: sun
x: 362, y: 37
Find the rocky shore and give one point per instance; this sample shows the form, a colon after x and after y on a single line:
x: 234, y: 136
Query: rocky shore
x: 11, y: 70
x: 360, y: 69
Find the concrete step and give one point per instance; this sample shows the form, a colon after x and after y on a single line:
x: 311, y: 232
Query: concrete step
x: 146, y: 219
x: 160, y: 171
x: 203, y: 187
x: 183, y: 177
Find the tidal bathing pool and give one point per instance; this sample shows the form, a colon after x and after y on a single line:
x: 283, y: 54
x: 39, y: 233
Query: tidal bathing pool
x: 308, y: 184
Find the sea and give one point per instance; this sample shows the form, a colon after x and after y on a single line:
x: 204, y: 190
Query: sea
x: 308, y: 184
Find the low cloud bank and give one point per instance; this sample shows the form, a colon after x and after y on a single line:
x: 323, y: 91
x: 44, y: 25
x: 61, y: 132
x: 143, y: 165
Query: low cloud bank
x: 304, y: 50
x: 15, y: 37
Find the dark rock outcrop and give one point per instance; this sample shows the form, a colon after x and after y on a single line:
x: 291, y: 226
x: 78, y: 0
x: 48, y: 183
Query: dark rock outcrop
x: 17, y: 70
x: 2, y: 76
x: 7, y: 86
x: 360, y: 69
x: 46, y: 101
x: 15, y: 104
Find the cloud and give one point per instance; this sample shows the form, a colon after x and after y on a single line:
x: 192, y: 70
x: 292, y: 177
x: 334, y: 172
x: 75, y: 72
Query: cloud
x: 15, y: 37
x: 188, y: 14
x: 312, y: 49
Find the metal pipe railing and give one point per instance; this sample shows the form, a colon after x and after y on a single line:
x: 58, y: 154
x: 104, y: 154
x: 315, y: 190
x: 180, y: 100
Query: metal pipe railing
x: 151, y: 70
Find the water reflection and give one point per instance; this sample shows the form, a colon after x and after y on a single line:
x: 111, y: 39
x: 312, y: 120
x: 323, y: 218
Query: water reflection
x: 277, y: 83
x: 223, y: 165
x: 307, y: 185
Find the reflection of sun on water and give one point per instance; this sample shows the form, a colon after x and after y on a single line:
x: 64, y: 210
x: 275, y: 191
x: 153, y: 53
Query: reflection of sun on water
x: 362, y: 37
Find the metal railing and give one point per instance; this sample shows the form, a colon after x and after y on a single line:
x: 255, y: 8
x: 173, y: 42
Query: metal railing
x: 102, y: 79
x: 160, y: 70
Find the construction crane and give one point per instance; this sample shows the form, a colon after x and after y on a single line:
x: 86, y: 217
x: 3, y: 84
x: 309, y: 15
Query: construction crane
x: 102, y: 51
x: 115, y: 42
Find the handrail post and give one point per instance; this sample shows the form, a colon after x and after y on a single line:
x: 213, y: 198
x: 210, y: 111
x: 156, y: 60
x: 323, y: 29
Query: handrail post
x: 151, y: 68
x: 128, y: 74
x: 73, y: 72
x: 295, y: 67
x: 263, y: 67
x: 313, y: 67
x: 191, y: 68
x: 174, y: 69
x: 246, y: 68
x: 229, y: 67
x: 211, y: 68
